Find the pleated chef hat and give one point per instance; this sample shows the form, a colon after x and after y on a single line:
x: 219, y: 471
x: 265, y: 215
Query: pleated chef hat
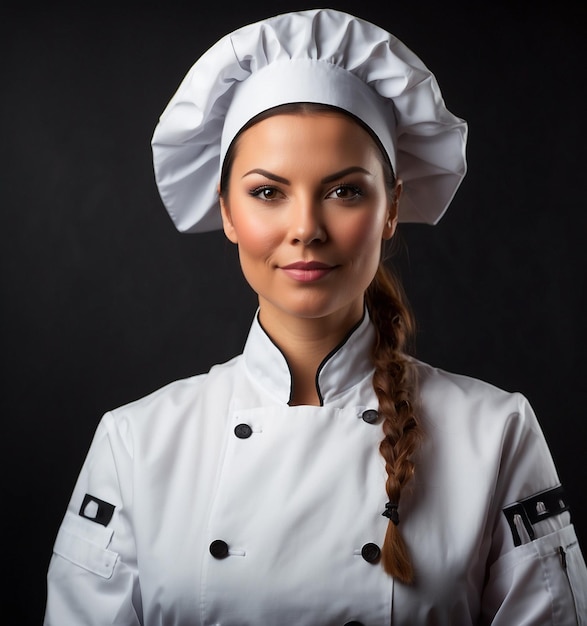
x: 323, y: 56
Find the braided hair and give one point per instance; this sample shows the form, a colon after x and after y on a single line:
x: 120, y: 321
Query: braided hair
x: 394, y: 384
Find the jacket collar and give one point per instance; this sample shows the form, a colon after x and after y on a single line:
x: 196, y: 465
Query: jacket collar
x: 348, y: 364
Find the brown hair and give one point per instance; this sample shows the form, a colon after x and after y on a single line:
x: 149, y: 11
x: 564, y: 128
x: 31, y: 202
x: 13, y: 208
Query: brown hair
x: 395, y: 385
x: 394, y: 377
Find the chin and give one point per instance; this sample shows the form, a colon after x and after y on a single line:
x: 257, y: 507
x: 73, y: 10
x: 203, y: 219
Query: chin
x: 319, y: 308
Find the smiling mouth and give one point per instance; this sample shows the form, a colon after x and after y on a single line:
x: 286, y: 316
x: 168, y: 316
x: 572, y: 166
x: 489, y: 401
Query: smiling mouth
x: 307, y: 271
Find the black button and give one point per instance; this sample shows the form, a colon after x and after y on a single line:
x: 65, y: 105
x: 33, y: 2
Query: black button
x: 219, y: 549
x: 243, y: 431
x: 371, y: 552
x: 370, y: 416
x: 354, y: 623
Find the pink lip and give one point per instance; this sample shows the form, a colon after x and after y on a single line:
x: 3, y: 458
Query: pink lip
x: 307, y: 271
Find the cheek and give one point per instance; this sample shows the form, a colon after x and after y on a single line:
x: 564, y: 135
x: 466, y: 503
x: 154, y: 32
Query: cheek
x: 256, y: 236
x: 360, y: 235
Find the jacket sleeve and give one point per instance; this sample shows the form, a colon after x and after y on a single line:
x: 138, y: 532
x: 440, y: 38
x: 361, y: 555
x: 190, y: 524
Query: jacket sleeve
x: 92, y: 577
x: 537, y: 573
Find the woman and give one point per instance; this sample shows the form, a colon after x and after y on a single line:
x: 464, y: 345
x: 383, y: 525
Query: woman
x: 322, y: 477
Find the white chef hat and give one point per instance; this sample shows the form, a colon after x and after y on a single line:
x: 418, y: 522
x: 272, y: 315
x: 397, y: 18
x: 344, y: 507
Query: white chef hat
x: 322, y: 56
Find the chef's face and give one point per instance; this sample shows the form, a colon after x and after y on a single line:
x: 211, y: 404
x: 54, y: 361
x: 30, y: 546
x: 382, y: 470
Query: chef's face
x: 308, y: 206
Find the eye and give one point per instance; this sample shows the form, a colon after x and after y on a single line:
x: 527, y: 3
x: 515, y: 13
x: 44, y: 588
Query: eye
x: 345, y: 192
x: 266, y: 193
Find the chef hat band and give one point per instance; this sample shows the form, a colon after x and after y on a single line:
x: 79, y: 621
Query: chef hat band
x: 322, y: 56
x: 308, y: 80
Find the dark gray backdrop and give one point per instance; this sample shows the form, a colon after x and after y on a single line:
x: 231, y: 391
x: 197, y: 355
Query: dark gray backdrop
x: 103, y: 301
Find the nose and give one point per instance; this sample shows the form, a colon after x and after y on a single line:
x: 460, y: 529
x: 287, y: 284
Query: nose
x: 307, y: 224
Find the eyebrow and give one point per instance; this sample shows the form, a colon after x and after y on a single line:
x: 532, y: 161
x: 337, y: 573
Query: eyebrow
x: 327, y: 179
x: 267, y: 174
x: 349, y: 170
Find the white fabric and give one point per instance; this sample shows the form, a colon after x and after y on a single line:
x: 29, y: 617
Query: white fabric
x: 308, y: 80
x: 298, y: 499
x: 319, y: 55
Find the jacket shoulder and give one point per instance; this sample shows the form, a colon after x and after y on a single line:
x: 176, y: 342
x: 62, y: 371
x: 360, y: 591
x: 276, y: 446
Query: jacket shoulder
x: 462, y: 401
x: 437, y: 381
x: 178, y: 399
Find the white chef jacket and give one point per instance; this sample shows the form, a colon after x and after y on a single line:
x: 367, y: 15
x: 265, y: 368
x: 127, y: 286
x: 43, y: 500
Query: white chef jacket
x: 213, y: 502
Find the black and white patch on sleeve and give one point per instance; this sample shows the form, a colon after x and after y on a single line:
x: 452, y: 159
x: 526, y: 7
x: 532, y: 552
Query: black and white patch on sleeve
x: 96, y: 510
x: 522, y: 515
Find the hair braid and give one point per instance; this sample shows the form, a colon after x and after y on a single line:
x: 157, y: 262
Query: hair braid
x: 394, y: 384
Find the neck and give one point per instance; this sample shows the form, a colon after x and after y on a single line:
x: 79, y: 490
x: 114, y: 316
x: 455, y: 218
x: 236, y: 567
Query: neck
x: 305, y: 342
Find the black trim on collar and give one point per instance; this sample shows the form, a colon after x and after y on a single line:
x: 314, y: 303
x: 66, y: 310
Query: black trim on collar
x: 284, y: 358
x: 534, y: 509
x: 333, y: 352
x: 324, y: 360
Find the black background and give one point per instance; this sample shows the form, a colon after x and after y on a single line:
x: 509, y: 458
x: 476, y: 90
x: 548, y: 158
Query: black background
x: 103, y: 301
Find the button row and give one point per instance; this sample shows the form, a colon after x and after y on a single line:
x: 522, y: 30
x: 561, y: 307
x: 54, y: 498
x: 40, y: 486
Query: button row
x: 244, y: 431
x: 370, y: 551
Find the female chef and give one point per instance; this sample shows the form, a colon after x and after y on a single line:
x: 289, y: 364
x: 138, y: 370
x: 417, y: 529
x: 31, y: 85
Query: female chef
x: 322, y: 477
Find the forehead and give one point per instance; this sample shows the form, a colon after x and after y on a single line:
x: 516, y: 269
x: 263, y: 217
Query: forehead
x: 311, y: 134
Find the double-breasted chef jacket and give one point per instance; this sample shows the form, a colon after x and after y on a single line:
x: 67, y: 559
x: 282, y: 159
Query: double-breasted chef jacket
x: 213, y: 502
